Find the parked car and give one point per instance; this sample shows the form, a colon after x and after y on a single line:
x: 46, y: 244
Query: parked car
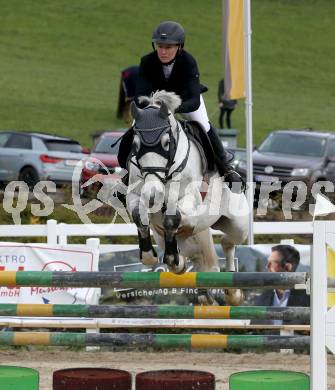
x: 240, y: 157
x: 32, y: 156
x: 102, y: 163
x: 300, y: 155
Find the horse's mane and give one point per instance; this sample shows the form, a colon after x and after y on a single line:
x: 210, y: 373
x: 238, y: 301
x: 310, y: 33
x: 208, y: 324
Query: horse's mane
x: 171, y: 100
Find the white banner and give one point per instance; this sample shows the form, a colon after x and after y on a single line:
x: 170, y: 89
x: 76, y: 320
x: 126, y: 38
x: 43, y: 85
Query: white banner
x: 40, y: 257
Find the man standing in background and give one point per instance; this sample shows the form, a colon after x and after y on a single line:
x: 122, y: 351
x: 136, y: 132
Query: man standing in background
x: 227, y: 106
x: 283, y: 258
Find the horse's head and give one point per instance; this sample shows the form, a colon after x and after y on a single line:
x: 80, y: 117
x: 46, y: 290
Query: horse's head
x: 156, y: 134
x: 155, y: 142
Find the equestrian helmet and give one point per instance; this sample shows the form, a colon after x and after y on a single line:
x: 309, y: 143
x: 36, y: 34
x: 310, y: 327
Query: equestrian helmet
x: 169, y: 32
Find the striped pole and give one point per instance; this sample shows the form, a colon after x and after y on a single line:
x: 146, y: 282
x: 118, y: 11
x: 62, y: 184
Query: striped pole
x: 157, y: 311
x: 182, y: 341
x: 153, y: 279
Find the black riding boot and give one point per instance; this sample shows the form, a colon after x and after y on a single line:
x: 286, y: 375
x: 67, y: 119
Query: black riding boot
x: 222, y: 160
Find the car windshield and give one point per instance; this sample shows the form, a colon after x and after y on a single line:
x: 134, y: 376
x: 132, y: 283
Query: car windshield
x: 104, y: 145
x: 239, y: 154
x: 294, y: 144
x: 63, y: 146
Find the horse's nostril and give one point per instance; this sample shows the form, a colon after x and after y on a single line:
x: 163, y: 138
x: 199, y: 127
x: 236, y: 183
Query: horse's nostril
x: 156, y: 197
x: 152, y: 198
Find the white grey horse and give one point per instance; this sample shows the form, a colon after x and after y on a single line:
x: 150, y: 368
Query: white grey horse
x: 169, y: 168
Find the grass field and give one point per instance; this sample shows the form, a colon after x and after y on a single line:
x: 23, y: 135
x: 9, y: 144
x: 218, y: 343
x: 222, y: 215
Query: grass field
x: 61, y: 61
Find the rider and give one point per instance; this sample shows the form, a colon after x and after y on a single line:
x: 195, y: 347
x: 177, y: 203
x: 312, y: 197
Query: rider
x: 171, y: 68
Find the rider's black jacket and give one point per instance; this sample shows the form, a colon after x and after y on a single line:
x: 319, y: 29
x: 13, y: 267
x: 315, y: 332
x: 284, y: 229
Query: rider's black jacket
x: 184, y: 80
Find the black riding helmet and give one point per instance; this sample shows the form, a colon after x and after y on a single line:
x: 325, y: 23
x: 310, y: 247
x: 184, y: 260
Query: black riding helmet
x: 169, y: 32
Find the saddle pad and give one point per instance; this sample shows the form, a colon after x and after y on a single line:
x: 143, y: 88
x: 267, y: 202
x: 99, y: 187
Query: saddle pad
x: 195, y: 132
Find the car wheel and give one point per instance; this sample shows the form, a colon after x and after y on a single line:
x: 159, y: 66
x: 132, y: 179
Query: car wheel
x: 30, y: 176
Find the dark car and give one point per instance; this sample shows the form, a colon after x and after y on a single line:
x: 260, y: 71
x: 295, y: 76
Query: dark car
x: 240, y: 157
x: 300, y: 155
x: 101, y: 164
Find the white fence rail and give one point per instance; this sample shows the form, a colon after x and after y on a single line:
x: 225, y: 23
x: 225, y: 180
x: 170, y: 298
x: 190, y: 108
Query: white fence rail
x: 58, y: 233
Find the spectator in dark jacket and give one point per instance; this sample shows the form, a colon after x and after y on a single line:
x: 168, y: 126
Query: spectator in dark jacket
x: 127, y: 92
x: 283, y: 258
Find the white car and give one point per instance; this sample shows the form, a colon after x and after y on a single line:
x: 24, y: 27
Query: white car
x: 31, y: 157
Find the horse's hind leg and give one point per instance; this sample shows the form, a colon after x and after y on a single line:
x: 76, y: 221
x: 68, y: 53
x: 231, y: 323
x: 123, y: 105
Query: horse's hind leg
x: 234, y: 296
x: 148, y: 255
x: 205, y: 261
x: 229, y: 252
x: 235, y: 232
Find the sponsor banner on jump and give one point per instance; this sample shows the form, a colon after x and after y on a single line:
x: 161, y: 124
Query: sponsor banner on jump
x: 39, y: 257
x: 249, y: 258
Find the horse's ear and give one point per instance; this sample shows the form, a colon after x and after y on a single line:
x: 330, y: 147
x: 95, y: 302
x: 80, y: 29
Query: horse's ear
x: 163, y: 111
x: 135, y: 111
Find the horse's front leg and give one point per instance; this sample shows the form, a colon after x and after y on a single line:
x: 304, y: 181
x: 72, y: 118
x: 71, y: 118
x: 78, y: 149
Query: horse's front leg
x: 172, y: 257
x: 148, y: 255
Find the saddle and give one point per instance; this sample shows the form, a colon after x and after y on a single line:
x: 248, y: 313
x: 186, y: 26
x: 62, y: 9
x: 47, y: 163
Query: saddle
x: 200, y: 138
x: 193, y: 131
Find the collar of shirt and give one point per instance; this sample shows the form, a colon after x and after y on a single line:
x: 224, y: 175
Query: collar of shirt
x: 167, y: 69
x: 280, y: 302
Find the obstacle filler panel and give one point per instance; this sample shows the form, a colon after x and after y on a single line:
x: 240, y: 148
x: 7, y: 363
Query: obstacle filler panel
x: 175, y: 380
x: 18, y: 378
x: 269, y: 380
x: 91, y: 379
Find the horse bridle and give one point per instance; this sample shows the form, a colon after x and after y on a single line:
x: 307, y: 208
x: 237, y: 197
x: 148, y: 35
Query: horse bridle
x: 151, y: 144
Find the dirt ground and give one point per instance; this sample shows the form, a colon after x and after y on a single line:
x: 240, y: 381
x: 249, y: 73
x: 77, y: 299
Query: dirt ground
x: 220, y: 364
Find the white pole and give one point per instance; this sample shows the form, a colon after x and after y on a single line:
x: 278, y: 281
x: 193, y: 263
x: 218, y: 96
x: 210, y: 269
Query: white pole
x: 248, y: 116
x: 52, y: 238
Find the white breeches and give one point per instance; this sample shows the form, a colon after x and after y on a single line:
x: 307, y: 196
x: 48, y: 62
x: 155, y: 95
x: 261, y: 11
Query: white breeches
x: 200, y: 115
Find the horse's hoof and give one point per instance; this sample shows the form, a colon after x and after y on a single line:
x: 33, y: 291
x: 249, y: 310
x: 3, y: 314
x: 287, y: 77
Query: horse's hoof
x: 202, y: 300
x: 169, y: 260
x: 179, y: 268
x: 205, y: 297
x: 148, y: 258
x: 234, y: 297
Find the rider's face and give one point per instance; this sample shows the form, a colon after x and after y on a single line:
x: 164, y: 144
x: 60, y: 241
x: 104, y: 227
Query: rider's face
x: 166, y: 52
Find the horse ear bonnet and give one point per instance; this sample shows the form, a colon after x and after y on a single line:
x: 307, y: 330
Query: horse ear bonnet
x: 135, y: 111
x: 163, y: 111
x: 151, y: 124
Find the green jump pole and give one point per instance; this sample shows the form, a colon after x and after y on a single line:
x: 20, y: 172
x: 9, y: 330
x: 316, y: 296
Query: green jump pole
x: 153, y: 279
x: 153, y: 340
x: 156, y: 311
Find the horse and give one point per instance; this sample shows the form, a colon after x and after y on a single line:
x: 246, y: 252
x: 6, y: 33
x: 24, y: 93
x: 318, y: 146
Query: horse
x: 168, y: 166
